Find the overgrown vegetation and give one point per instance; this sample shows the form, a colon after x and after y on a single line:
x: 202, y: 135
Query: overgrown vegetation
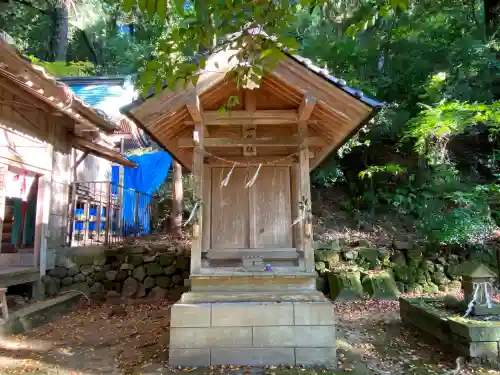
x: 431, y: 155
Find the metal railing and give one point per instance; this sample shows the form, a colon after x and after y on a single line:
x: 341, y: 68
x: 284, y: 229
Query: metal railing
x: 106, y: 213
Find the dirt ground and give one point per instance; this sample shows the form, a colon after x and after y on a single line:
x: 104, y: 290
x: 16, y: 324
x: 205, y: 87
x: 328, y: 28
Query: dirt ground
x: 114, y: 338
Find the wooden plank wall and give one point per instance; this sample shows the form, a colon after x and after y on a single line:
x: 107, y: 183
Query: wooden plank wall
x: 255, y: 217
x: 270, y: 209
x: 230, y: 211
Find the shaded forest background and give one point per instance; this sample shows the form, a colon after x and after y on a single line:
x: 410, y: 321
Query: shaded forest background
x: 427, y: 166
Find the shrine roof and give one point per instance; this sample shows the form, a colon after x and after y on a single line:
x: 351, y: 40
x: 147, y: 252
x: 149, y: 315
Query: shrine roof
x: 340, y: 110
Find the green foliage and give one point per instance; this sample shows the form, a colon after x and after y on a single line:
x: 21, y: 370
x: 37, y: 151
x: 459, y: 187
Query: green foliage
x: 388, y: 168
x: 65, y: 69
x: 431, y: 154
x: 434, y: 126
x: 198, y: 26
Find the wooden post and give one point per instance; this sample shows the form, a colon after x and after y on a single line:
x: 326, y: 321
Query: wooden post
x: 121, y: 193
x: 305, y: 195
x: 177, y: 199
x: 3, y: 174
x: 136, y: 212
x: 98, y: 216
x: 207, y: 203
x: 198, y: 137
x: 42, y: 222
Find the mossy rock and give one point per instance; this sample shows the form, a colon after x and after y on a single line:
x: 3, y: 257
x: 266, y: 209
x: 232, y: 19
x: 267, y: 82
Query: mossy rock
x: 403, y: 273
x: 414, y: 254
x: 398, y: 258
x: 439, y: 278
x: 368, y: 253
x: 414, y: 288
x: 320, y: 266
x: 154, y: 269
x: 321, y: 284
x: 99, y: 259
x: 83, y: 260
x: 100, y: 276
x: 428, y: 265
x: 135, y: 259
x: 345, y: 285
x: 430, y: 288
x: 326, y: 256
x: 332, y: 245
x: 380, y: 285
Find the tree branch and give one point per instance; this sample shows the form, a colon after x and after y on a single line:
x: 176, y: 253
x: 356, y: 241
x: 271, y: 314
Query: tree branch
x: 90, y: 46
x: 28, y: 4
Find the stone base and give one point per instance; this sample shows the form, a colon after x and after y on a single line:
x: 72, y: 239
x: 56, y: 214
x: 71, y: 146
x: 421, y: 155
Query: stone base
x: 252, y: 333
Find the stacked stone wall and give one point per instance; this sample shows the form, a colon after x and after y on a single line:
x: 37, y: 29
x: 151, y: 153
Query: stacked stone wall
x: 134, y: 271
x: 362, y: 269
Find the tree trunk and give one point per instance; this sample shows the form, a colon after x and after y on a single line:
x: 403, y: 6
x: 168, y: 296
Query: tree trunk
x: 59, y: 41
x: 492, y: 16
x: 177, y: 200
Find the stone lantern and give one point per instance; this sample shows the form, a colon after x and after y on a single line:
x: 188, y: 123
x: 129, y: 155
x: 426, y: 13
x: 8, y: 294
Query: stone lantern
x: 477, y: 285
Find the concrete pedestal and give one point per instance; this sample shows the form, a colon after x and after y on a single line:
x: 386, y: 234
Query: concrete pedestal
x: 252, y: 332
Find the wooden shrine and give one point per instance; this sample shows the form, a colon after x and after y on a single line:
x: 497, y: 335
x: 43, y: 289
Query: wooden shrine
x: 253, y: 298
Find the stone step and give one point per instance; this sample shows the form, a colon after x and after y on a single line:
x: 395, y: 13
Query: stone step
x: 254, y: 282
x: 212, y: 297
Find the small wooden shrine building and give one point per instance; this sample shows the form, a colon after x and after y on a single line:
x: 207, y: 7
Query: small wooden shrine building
x: 253, y: 298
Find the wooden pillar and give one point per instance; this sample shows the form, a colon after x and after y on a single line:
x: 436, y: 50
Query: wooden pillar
x: 42, y: 222
x: 3, y: 176
x: 305, y: 196
x: 196, y: 243
x: 177, y: 199
x: 207, y: 203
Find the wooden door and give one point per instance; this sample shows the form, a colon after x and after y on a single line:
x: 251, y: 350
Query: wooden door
x: 229, y: 206
x: 270, y: 209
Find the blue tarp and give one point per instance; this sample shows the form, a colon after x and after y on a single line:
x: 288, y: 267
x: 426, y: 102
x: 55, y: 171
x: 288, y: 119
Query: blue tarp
x: 152, y: 169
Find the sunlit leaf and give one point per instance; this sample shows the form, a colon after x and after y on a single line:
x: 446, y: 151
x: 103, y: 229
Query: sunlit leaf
x: 143, y: 5
x: 161, y: 8
x: 128, y: 4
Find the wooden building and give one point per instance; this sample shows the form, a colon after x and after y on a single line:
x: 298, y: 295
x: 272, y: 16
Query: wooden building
x: 45, y: 133
x: 253, y: 298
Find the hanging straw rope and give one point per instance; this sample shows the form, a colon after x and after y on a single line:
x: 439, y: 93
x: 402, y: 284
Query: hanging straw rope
x: 482, y: 295
x: 252, y: 181
x: 243, y: 164
x: 191, y: 216
x: 225, y: 181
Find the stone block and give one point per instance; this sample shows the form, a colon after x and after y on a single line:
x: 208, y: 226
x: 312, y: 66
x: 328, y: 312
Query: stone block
x: 154, y: 269
x: 315, y: 336
x: 313, y: 313
x: 345, y: 285
x: 210, y: 337
x: 166, y: 259
x: 72, y: 271
x: 59, y: 272
x: 481, y: 349
x: 190, y: 315
x: 252, y: 314
x: 315, y: 357
x: 294, y: 336
x: 282, y: 336
x: 380, y: 286
x: 189, y: 357
x: 163, y: 281
x: 157, y: 293
x: 253, y: 356
x: 83, y: 260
